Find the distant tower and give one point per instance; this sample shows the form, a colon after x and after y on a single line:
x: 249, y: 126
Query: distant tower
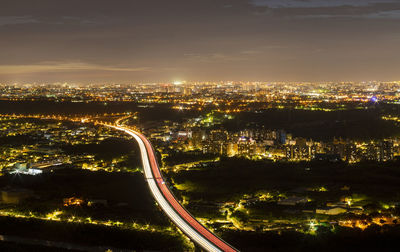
x: 187, y: 91
x: 281, y: 137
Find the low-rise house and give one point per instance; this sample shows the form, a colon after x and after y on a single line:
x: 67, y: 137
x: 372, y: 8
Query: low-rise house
x: 331, y: 210
x: 292, y: 201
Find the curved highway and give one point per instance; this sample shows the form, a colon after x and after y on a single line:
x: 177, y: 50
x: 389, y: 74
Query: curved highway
x: 169, y: 204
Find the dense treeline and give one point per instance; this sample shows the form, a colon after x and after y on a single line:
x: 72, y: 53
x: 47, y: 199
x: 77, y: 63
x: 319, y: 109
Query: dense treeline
x: 107, y: 149
x: 235, y: 176
x: 86, y: 234
x: 155, y: 112
x: 319, y: 125
x: 374, y: 238
x: 177, y: 157
x: 130, y: 189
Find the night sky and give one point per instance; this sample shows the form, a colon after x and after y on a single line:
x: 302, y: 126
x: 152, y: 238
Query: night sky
x: 97, y: 41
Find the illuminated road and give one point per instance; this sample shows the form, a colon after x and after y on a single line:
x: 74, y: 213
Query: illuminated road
x: 169, y: 204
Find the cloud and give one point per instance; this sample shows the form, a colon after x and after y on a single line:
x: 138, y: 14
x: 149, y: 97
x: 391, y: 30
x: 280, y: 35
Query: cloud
x: 65, y: 67
x: 80, y: 20
x: 319, y: 9
x: 393, y: 14
x: 219, y: 57
x: 14, y: 20
x: 251, y: 52
x: 210, y: 57
x: 316, y: 3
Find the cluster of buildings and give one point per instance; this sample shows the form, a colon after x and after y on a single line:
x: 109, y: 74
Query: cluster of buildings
x: 35, y: 148
x: 37, y: 168
x: 228, y: 96
x: 276, y: 145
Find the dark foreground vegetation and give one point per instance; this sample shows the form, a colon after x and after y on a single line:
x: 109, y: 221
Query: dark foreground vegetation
x: 236, y: 176
x: 89, y: 235
x: 374, y: 238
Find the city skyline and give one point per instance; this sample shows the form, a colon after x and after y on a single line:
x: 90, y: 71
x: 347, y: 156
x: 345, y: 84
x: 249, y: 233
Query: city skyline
x: 200, y: 125
x: 157, y: 41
